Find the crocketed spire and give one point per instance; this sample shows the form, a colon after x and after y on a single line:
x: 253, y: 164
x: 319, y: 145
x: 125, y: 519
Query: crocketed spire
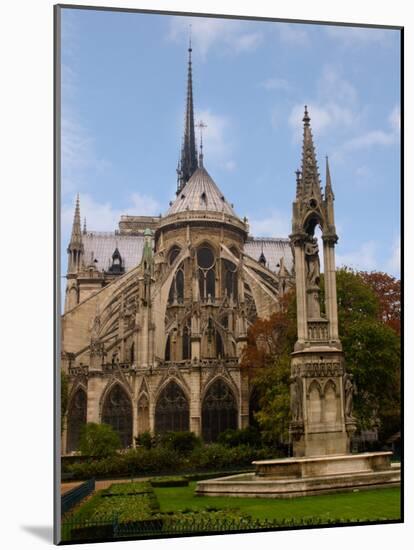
x: 188, y: 163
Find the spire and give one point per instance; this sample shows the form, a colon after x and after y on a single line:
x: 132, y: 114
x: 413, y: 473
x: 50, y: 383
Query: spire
x: 328, y: 185
x: 75, y: 248
x: 84, y: 226
x: 188, y: 163
x: 76, y: 237
x: 262, y: 257
x: 310, y: 181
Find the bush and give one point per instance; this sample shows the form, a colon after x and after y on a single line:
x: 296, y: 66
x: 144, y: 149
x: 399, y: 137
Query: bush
x: 182, y: 442
x: 248, y: 436
x: 99, y: 440
x: 146, y: 440
x: 157, y: 459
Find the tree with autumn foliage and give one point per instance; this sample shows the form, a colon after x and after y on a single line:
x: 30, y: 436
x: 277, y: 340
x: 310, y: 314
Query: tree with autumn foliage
x: 267, y: 360
x: 369, y: 332
x: 387, y: 289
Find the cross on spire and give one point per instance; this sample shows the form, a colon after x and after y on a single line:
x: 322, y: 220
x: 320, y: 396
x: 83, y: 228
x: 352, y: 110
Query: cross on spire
x: 201, y: 125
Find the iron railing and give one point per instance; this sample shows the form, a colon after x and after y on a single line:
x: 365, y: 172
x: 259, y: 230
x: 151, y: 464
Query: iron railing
x: 77, y: 494
x: 112, y: 529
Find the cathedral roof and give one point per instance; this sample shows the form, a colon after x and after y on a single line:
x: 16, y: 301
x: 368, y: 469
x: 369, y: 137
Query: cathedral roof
x: 101, y: 246
x: 201, y: 194
x: 273, y: 250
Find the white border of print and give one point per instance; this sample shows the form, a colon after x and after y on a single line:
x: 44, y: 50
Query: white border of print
x: 26, y: 115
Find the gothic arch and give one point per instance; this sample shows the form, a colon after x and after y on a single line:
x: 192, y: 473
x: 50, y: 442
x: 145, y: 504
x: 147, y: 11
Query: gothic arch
x: 219, y: 411
x: 76, y: 417
x: 330, y: 403
x: 117, y: 411
x: 330, y: 383
x: 220, y: 343
x: 209, y: 244
x: 143, y: 413
x: 314, y: 395
x: 312, y: 220
x: 172, y: 408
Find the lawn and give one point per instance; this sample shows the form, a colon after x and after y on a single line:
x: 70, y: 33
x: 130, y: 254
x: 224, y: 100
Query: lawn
x: 370, y: 505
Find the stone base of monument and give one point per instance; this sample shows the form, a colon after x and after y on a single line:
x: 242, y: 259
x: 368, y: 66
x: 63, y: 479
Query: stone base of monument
x: 302, y: 476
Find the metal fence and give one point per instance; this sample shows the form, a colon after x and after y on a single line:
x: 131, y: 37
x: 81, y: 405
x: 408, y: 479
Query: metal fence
x: 112, y: 529
x: 77, y: 494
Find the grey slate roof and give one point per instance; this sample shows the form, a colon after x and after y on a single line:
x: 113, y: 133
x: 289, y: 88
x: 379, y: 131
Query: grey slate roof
x: 102, y: 245
x: 273, y: 250
x: 201, y: 193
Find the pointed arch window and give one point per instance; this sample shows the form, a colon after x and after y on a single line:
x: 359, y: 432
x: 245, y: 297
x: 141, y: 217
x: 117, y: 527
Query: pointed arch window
x: 117, y: 412
x: 229, y: 277
x: 186, y: 343
x: 76, y: 419
x: 206, y: 273
x: 143, y: 414
x: 176, y: 293
x: 172, y: 411
x: 168, y: 349
x: 174, y: 252
x: 219, y: 410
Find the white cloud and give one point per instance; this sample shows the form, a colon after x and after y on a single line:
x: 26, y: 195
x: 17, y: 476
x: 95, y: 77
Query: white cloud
x: 323, y: 117
x: 326, y: 113
x: 102, y: 216
x: 369, y: 139
x: 78, y: 153
x: 356, y: 36
x: 332, y: 84
x: 395, y: 119
x: 292, y: 34
x: 394, y: 262
x: 277, y: 224
x: 373, y: 138
x: 363, y: 258
x: 217, y: 139
x: 246, y: 42
x: 230, y: 165
x: 207, y: 33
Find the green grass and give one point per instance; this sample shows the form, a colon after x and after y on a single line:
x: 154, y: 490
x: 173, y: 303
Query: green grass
x: 370, y: 505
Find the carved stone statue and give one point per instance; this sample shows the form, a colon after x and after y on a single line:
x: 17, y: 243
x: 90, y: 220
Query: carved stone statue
x: 349, y: 392
x: 313, y: 272
x: 96, y: 327
x: 296, y: 393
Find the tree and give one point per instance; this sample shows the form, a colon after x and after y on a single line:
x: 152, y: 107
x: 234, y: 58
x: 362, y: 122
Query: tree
x: 371, y: 349
x: 267, y: 359
x: 387, y: 289
x: 64, y: 397
x: 99, y: 440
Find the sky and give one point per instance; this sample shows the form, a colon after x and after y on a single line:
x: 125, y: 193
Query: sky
x: 122, y: 117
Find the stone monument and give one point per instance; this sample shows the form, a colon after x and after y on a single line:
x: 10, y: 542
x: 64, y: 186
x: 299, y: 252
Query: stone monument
x: 321, y: 390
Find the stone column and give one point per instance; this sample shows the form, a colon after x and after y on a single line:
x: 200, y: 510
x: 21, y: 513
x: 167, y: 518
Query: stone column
x: 195, y: 400
x: 300, y: 290
x: 330, y: 286
x: 244, y: 399
x: 95, y: 386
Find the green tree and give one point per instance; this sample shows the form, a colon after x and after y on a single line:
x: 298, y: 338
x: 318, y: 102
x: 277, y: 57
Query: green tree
x: 64, y: 397
x: 99, y: 440
x: 371, y: 348
x: 267, y: 359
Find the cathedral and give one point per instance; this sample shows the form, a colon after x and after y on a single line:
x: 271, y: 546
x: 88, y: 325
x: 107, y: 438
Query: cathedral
x: 157, y: 311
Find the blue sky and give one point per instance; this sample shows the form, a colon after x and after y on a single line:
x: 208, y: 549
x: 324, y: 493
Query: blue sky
x: 123, y: 99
